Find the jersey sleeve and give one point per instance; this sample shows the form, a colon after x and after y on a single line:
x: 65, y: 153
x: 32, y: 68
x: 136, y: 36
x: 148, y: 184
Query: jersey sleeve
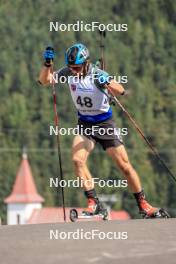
x: 101, y: 78
x: 61, y: 76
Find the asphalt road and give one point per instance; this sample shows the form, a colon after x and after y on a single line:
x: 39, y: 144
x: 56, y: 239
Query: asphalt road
x: 147, y: 241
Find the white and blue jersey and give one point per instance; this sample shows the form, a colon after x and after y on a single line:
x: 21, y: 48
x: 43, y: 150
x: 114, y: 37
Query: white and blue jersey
x: 91, y: 103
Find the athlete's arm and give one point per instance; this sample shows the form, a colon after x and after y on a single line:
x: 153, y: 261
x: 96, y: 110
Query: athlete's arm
x: 45, y: 75
x: 104, y: 80
x: 115, y: 87
x: 46, y: 72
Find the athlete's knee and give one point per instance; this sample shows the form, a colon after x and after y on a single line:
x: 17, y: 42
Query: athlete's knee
x: 78, y: 162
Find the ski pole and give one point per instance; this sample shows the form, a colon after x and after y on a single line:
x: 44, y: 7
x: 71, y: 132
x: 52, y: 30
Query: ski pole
x: 155, y: 152
x: 56, y: 121
x: 102, y: 47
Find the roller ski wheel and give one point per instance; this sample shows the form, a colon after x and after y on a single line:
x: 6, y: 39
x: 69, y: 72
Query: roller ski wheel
x: 74, y: 216
x: 161, y: 213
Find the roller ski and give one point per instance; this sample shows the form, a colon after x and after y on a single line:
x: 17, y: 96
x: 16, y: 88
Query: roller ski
x: 94, y: 210
x: 159, y: 213
x: 149, y: 212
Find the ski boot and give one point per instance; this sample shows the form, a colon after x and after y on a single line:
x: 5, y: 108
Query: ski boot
x: 147, y: 211
x: 94, y: 207
x: 94, y: 210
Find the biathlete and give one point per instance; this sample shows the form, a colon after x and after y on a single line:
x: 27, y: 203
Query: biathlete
x: 86, y: 82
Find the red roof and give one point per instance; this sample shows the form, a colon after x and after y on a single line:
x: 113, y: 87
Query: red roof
x: 55, y: 215
x: 24, y: 189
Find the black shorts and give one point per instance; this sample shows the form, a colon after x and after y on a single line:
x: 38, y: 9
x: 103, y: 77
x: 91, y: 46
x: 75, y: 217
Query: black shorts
x: 105, y: 133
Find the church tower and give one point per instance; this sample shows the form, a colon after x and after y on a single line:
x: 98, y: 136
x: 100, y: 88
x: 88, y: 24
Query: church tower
x: 24, y: 197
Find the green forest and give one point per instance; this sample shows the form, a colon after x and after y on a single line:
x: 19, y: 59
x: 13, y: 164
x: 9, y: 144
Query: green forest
x: 145, y: 53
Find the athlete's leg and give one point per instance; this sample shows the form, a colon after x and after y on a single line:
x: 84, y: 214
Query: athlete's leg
x: 119, y: 155
x: 81, y: 148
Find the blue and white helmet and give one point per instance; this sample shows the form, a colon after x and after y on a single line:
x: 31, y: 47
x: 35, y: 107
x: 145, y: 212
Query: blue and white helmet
x: 76, y: 54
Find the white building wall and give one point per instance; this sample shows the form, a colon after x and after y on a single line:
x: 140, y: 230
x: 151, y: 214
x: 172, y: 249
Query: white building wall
x: 20, y: 211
